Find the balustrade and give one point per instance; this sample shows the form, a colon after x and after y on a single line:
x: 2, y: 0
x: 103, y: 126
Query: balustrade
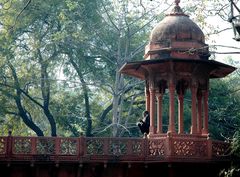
x: 87, y: 149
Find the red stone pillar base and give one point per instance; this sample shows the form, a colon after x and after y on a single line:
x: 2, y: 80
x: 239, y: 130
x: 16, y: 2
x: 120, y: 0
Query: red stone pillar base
x: 205, y: 123
x: 152, y: 111
x: 171, y: 126
x: 180, y: 114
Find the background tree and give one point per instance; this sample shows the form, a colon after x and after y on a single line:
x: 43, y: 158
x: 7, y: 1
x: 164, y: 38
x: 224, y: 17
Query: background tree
x: 60, y: 64
x: 31, y: 47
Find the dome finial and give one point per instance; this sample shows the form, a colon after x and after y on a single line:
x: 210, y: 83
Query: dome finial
x: 177, y: 2
x: 177, y: 9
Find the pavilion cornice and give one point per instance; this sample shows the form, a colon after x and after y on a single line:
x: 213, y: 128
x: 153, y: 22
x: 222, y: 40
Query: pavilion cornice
x: 212, y: 68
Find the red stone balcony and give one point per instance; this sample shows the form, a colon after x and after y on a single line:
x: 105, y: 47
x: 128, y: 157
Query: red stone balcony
x: 184, y: 148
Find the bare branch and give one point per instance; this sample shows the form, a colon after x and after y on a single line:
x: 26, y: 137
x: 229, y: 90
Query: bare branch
x: 114, y: 124
x: 216, y: 52
x: 19, y: 14
x: 144, y: 9
x: 227, y: 46
x: 220, y: 31
x: 109, y: 17
x: 32, y: 99
x: 11, y: 113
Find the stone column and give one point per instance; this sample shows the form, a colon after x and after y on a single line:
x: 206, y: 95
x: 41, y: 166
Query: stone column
x: 205, y: 120
x: 199, y: 115
x: 159, y: 112
x: 194, y: 109
x: 180, y: 113
x: 171, y: 126
x: 152, y: 110
x: 147, y: 97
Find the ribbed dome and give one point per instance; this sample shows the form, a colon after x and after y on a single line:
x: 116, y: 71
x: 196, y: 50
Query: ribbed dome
x: 177, y: 36
x: 178, y: 27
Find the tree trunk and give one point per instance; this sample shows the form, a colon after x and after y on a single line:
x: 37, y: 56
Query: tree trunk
x: 105, y: 112
x: 86, y: 97
x: 22, y: 112
x: 51, y: 121
x: 45, y: 87
x: 26, y: 119
x: 117, y: 96
x: 87, y: 107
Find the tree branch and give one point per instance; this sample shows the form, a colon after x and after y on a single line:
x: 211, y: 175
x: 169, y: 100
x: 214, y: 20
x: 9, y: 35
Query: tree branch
x: 19, y: 14
x: 111, y: 21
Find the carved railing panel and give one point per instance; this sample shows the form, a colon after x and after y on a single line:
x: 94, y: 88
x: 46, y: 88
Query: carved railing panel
x: 117, y: 147
x: 68, y: 146
x: 94, y: 146
x: 137, y: 147
x: 201, y: 148
x: 189, y: 148
x: 3, y: 144
x: 45, y: 146
x: 220, y: 148
x: 183, y: 148
x: 22, y: 145
x: 156, y: 147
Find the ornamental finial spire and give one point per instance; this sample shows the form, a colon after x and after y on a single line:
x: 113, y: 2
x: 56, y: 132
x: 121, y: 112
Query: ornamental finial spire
x: 177, y: 9
x: 177, y: 2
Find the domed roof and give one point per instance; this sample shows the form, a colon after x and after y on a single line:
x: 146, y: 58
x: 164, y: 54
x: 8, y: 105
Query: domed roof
x: 178, y: 27
x: 177, y: 36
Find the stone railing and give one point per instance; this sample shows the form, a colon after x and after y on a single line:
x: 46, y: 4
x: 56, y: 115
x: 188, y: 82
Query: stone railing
x: 93, y: 149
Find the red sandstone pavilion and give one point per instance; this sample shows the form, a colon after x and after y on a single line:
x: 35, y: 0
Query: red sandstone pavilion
x: 176, y: 59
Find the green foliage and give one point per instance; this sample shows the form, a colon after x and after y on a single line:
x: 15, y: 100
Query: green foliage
x: 236, y: 143
x: 224, y: 109
x: 66, y: 55
x: 234, y: 170
x: 33, y: 35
